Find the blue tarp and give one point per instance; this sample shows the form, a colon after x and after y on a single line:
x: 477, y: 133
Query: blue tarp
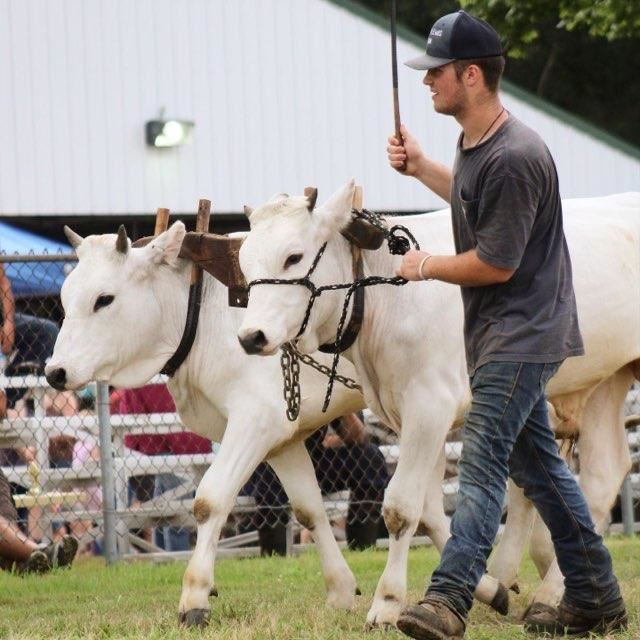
x: 40, y: 278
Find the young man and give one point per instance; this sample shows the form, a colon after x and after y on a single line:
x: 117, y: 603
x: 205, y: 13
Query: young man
x: 514, y: 271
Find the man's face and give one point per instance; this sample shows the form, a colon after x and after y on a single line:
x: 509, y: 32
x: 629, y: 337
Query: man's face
x: 447, y: 90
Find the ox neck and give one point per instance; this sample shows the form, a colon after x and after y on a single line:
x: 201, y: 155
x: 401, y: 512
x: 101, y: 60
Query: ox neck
x: 338, y: 254
x: 217, y: 323
x: 350, y: 333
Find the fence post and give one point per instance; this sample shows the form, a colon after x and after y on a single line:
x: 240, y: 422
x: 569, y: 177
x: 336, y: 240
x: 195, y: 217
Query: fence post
x: 626, y: 506
x: 106, y: 471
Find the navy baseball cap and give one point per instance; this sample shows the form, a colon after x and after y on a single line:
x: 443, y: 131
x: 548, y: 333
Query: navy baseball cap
x: 457, y: 36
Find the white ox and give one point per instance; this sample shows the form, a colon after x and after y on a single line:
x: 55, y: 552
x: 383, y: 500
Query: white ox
x: 219, y: 391
x: 409, y: 355
x: 124, y: 317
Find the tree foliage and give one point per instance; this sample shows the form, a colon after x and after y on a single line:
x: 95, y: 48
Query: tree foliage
x: 521, y: 22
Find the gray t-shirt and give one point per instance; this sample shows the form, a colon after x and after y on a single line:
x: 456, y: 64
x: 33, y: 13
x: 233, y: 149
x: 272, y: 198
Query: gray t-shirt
x: 505, y: 203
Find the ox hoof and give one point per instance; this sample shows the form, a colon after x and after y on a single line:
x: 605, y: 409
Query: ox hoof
x: 535, y: 609
x: 358, y: 592
x: 378, y: 626
x: 500, y: 602
x: 214, y: 592
x: 515, y: 587
x: 194, y: 618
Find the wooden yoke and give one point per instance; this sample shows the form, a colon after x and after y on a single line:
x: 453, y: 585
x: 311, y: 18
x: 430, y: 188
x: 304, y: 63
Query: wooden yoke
x: 202, y: 226
x: 162, y: 221
x: 359, y: 231
x: 213, y: 253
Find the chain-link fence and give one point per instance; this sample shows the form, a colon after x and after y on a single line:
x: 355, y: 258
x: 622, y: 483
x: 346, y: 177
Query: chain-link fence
x: 117, y: 471
x: 628, y: 505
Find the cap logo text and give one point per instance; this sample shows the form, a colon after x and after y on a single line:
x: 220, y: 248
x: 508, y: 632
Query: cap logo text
x: 436, y: 32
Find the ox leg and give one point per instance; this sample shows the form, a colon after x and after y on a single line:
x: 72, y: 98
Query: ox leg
x: 214, y: 500
x: 293, y: 466
x: 604, y: 463
x: 505, y: 559
x: 489, y: 590
x: 420, y: 448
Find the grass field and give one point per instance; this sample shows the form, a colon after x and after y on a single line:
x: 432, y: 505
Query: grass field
x: 260, y: 598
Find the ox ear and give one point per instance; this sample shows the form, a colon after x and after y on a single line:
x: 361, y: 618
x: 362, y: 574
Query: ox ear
x: 165, y: 249
x: 335, y: 214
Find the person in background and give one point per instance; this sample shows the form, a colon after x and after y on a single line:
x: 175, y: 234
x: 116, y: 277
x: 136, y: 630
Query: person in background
x: 21, y: 553
x: 155, y: 398
x: 343, y: 458
x: 25, y: 340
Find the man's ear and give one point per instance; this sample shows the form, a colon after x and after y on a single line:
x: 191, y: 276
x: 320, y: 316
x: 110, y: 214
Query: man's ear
x: 165, y: 249
x: 335, y: 214
x: 474, y: 74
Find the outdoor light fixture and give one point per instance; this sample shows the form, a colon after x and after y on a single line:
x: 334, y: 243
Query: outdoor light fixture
x: 168, y: 133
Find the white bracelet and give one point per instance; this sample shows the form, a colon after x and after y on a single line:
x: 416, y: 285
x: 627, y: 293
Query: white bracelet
x: 422, y: 265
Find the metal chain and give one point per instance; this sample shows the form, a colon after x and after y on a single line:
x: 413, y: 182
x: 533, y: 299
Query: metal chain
x: 291, y: 381
x: 289, y: 361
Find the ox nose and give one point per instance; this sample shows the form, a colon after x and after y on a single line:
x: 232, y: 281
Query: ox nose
x: 254, y: 342
x: 57, y: 378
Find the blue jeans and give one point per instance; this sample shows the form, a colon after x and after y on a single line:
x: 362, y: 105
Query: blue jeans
x: 507, y: 433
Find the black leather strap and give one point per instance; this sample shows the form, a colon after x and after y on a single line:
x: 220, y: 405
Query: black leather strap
x: 190, y: 328
x: 355, y: 321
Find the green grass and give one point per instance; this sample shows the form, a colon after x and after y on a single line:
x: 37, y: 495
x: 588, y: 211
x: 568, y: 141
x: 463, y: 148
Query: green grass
x: 260, y: 599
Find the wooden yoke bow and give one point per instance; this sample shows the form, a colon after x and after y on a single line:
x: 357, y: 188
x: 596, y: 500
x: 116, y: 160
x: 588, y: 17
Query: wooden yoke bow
x: 213, y: 253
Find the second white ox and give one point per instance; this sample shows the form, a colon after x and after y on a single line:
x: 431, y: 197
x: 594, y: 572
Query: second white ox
x: 124, y: 316
x: 409, y: 354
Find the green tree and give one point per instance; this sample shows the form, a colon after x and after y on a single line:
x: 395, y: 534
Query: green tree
x: 521, y: 22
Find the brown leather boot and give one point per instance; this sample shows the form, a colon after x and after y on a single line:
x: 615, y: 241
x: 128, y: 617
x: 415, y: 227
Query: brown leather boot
x: 431, y: 619
x: 543, y: 619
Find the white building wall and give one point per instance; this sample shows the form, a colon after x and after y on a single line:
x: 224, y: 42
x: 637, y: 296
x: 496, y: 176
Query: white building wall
x: 284, y: 93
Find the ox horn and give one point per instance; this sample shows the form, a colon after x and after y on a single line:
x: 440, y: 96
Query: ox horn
x: 312, y: 195
x: 122, y: 242
x: 248, y: 210
x: 75, y: 239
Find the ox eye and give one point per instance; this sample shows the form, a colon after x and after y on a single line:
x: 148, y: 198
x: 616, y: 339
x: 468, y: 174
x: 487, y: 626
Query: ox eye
x: 294, y: 258
x: 102, y: 301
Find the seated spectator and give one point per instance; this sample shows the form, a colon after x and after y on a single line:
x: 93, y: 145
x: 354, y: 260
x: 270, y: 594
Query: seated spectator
x: 343, y: 458
x: 155, y: 398
x: 26, y: 341
x: 271, y: 516
x: 19, y: 552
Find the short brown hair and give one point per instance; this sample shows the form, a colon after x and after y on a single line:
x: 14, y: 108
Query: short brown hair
x: 491, y: 68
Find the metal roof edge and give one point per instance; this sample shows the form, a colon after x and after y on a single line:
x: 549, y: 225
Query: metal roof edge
x: 572, y: 120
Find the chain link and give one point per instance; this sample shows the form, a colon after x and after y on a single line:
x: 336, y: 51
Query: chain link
x: 291, y: 381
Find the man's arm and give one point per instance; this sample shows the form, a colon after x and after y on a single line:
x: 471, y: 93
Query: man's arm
x: 433, y: 175
x: 464, y: 269
x: 7, y: 332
